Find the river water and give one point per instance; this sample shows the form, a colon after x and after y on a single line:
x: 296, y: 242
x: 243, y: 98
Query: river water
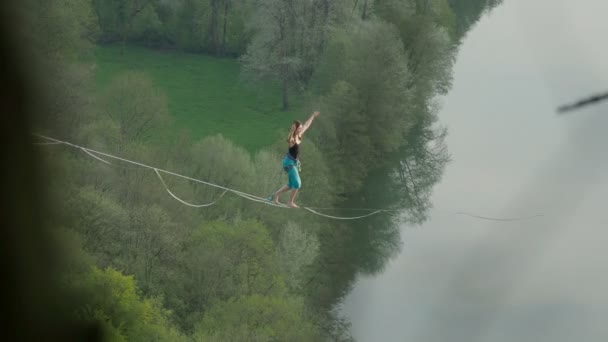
x: 546, y: 279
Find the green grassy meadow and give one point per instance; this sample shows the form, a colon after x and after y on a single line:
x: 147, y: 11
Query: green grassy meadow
x: 206, y: 95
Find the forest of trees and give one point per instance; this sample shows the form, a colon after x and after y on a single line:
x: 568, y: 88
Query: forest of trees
x: 146, y: 268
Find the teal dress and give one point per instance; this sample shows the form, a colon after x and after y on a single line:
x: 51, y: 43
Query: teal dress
x: 291, y: 165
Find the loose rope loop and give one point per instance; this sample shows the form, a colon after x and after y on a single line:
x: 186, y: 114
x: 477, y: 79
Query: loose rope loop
x: 94, y: 154
x: 181, y: 200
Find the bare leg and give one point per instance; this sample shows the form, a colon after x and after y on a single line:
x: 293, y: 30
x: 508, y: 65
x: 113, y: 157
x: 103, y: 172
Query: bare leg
x: 292, y: 198
x: 279, y: 192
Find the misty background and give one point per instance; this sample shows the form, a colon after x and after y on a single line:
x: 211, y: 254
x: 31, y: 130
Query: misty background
x: 464, y: 279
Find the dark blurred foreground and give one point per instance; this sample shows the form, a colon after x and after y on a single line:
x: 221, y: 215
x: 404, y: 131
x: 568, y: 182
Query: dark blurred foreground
x: 33, y: 307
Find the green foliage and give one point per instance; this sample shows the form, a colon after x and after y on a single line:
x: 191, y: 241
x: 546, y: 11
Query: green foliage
x: 61, y: 30
x: 221, y: 261
x: 101, y: 221
x: 425, y: 158
x: 225, y: 26
x: 108, y: 14
x: 213, y: 26
x: 365, y: 77
x: 121, y: 20
x: 68, y: 88
x: 289, y: 37
x: 148, y: 28
x: 297, y: 250
x: 137, y: 106
x: 346, y: 131
x: 444, y: 16
x: 189, y: 29
x: 111, y: 299
x: 468, y: 12
x: 257, y: 318
x: 269, y: 173
x: 430, y: 50
x: 150, y: 244
x: 219, y: 161
x: 215, y: 160
x: 331, y: 276
x: 57, y: 37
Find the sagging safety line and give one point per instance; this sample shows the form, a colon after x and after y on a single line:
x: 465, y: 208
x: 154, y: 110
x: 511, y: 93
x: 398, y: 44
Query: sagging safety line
x: 95, y: 154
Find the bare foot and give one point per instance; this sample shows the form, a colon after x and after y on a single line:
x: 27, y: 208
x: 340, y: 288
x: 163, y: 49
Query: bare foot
x: 293, y: 205
x: 276, y: 200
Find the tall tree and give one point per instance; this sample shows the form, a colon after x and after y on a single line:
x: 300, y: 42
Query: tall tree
x: 137, y: 106
x: 212, y: 33
x: 227, y: 6
x: 58, y: 36
x: 117, y: 17
x: 468, y: 13
x: 364, y: 78
x: 111, y: 299
x: 257, y: 318
x: 288, y: 39
x: 225, y: 17
x: 222, y: 261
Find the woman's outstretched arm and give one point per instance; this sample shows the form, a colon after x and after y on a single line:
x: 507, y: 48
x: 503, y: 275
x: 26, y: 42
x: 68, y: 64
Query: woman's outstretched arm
x: 306, y: 124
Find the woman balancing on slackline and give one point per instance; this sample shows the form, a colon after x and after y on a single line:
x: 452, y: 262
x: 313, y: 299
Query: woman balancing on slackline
x: 291, y: 163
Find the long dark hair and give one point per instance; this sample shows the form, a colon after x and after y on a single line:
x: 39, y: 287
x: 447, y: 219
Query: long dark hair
x: 291, y: 138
